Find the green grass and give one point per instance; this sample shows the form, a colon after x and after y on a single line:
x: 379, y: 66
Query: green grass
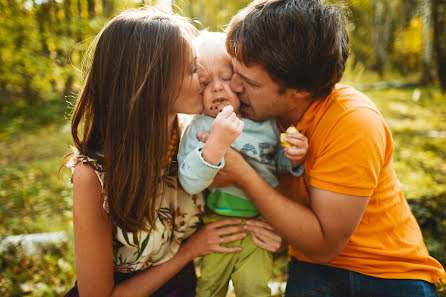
x: 32, y: 198
x: 419, y: 133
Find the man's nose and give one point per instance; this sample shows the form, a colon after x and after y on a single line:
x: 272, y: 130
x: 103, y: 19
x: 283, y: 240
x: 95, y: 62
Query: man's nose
x: 236, y: 84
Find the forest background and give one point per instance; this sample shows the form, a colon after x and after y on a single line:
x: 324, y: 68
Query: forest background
x: 398, y: 59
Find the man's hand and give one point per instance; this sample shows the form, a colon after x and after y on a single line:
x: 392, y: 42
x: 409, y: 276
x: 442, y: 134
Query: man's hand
x: 232, y: 173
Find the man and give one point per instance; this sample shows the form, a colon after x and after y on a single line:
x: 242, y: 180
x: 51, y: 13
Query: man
x: 350, y: 229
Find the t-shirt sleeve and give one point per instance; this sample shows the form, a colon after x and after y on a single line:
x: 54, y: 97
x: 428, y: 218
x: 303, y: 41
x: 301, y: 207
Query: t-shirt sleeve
x: 351, y: 155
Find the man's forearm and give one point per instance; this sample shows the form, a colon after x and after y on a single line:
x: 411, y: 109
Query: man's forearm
x: 298, y: 224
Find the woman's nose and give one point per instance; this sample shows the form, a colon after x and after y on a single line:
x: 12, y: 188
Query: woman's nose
x: 203, y: 75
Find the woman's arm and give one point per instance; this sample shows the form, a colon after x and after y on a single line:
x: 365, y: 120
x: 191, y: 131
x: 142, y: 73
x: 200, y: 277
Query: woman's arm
x: 94, y: 251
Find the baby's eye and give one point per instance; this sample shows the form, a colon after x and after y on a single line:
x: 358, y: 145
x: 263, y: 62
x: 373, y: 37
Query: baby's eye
x: 227, y: 78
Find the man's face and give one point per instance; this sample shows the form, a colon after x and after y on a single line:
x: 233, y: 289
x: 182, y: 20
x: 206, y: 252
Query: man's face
x: 259, y: 95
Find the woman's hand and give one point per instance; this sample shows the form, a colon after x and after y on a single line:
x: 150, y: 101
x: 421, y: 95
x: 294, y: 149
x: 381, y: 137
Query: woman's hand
x: 209, y: 238
x: 265, y: 236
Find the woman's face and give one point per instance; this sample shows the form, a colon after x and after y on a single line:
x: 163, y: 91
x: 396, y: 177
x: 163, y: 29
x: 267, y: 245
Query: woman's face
x: 190, y: 98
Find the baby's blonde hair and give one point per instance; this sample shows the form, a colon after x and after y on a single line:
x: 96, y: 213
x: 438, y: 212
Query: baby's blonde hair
x: 206, y: 38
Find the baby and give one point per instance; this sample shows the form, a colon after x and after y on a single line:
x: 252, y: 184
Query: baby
x: 259, y: 143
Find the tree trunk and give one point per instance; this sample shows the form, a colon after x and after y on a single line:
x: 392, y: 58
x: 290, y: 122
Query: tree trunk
x: 107, y: 7
x: 428, y: 76
x: 440, y: 40
x: 68, y: 16
x: 378, y: 40
x: 42, y: 15
x: 91, y: 8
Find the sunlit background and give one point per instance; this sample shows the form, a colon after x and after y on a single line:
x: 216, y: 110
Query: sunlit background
x: 397, y: 48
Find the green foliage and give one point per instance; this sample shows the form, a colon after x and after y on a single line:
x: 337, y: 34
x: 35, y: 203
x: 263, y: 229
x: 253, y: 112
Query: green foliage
x: 430, y: 212
x: 32, y: 142
x: 49, y: 273
x: 416, y: 118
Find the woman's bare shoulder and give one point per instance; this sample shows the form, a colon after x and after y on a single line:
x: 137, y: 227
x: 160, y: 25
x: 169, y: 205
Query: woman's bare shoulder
x: 86, y: 185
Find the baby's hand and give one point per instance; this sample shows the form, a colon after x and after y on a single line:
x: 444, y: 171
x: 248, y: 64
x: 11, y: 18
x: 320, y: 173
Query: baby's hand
x: 226, y: 127
x: 298, y: 151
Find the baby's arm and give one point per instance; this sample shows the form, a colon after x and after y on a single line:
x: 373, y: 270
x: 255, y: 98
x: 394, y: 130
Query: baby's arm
x: 225, y: 129
x: 196, y: 172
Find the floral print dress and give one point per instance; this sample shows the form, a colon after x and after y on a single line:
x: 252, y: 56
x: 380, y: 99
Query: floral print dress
x: 177, y: 217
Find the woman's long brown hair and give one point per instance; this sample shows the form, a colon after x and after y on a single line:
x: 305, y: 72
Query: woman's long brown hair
x: 121, y: 114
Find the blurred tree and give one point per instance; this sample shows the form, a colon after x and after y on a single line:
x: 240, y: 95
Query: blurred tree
x: 428, y: 74
x: 68, y: 16
x: 107, y: 7
x: 91, y: 8
x: 440, y: 40
x: 40, y: 39
x: 382, y: 23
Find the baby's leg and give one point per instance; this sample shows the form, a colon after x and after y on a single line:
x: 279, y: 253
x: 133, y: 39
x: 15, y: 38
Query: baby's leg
x: 216, y: 268
x: 252, y: 271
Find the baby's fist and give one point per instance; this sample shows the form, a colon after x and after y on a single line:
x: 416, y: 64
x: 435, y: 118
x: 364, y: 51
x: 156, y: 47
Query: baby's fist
x: 297, y: 146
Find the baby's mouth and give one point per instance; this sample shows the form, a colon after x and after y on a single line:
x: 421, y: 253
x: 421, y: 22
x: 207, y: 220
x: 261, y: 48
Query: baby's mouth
x: 219, y: 103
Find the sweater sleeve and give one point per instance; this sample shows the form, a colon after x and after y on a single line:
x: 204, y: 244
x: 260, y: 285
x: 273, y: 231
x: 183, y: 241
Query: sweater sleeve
x: 283, y: 164
x: 195, y: 174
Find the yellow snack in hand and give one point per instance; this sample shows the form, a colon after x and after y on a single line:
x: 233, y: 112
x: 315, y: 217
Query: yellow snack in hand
x: 283, y: 143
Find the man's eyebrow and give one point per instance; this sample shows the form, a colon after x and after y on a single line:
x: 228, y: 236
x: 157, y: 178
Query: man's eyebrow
x: 244, y: 77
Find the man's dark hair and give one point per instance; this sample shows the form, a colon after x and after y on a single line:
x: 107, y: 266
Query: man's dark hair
x: 302, y: 44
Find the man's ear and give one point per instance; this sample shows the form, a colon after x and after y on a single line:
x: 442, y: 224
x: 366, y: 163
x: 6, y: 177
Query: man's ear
x: 302, y: 93
x: 295, y: 94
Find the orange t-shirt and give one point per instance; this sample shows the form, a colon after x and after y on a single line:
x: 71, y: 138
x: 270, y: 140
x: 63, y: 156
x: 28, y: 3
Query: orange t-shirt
x: 350, y: 152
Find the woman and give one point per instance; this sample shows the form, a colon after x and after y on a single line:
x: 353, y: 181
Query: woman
x: 130, y: 216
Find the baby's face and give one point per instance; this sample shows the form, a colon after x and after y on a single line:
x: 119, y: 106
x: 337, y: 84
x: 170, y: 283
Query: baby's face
x: 217, y: 93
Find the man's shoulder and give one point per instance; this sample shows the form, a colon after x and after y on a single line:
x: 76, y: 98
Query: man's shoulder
x: 347, y: 113
x: 347, y: 98
x: 344, y: 103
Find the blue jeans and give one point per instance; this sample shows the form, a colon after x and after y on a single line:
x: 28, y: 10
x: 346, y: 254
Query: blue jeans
x: 307, y: 280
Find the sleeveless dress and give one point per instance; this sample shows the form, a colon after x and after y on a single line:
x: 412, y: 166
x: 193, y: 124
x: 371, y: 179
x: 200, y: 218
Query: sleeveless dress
x: 177, y: 217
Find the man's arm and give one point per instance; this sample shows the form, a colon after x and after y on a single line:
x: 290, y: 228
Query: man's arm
x: 319, y: 232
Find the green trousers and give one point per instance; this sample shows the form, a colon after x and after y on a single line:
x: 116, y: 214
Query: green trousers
x: 250, y: 270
